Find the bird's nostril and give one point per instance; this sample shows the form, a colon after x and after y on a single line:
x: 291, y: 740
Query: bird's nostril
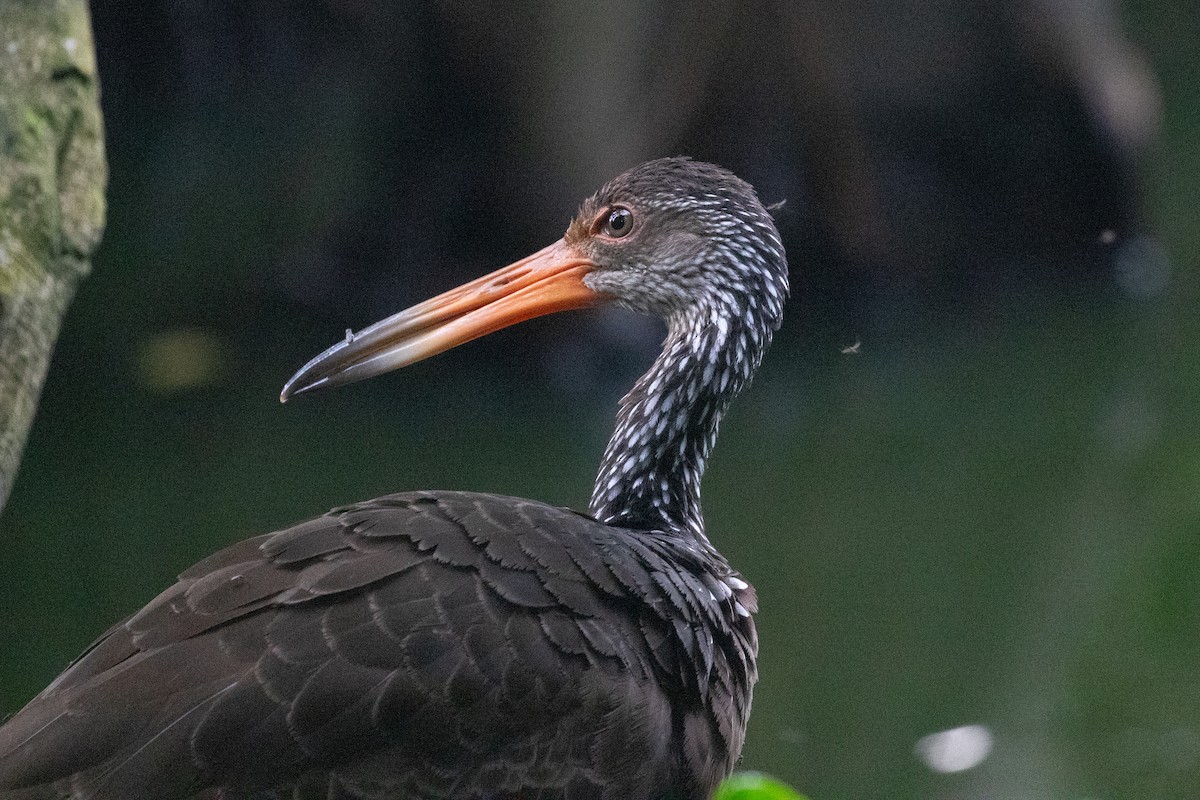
x: 501, y: 281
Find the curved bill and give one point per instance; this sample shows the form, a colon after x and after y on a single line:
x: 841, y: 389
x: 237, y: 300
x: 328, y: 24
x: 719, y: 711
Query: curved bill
x: 550, y: 280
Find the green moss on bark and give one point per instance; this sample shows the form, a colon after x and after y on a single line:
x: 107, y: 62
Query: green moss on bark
x: 52, y: 183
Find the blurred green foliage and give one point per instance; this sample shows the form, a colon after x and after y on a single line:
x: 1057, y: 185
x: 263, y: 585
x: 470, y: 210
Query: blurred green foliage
x: 755, y: 786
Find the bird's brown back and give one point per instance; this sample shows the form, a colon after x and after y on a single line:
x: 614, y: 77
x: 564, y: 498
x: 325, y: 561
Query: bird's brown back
x: 432, y: 644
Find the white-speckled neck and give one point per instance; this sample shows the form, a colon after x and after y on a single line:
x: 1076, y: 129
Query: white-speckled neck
x: 667, y: 424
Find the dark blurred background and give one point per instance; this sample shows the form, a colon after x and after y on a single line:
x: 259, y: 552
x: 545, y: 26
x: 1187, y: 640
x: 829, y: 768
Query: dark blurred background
x: 966, y: 482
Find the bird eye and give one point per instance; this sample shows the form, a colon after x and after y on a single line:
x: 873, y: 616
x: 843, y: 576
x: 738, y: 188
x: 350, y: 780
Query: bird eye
x: 618, y: 223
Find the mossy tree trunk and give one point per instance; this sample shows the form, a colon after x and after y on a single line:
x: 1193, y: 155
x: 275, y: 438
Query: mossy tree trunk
x: 52, y: 182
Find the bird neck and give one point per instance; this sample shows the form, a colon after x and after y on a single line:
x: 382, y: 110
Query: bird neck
x: 667, y: 424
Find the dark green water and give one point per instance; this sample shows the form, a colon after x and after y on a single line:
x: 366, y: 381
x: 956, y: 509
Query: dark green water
x: 989, y: 518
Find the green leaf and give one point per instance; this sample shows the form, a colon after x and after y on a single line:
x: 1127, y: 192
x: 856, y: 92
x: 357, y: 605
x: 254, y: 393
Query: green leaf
x: 755, y: 786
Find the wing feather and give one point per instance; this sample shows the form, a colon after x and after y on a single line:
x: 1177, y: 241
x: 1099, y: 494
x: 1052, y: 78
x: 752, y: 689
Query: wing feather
x: 424, y: 644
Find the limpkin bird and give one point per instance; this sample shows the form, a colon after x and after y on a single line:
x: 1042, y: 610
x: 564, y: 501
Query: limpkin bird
x: 459, y: 645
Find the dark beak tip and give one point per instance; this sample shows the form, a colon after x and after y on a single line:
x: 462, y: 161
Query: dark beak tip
x: 291, y: 389
x: 302, y: 383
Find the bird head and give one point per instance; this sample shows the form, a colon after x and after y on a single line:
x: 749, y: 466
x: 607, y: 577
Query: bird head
x: 670, y: 237
x: 674, y: 236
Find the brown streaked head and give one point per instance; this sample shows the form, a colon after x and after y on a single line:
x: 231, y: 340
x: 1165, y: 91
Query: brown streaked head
x: 667, y: 237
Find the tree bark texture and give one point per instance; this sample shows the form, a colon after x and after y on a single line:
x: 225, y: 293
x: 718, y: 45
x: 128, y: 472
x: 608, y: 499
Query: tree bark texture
x: 52, y: 182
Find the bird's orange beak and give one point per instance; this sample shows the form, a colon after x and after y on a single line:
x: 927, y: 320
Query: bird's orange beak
x: 550, y: 280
